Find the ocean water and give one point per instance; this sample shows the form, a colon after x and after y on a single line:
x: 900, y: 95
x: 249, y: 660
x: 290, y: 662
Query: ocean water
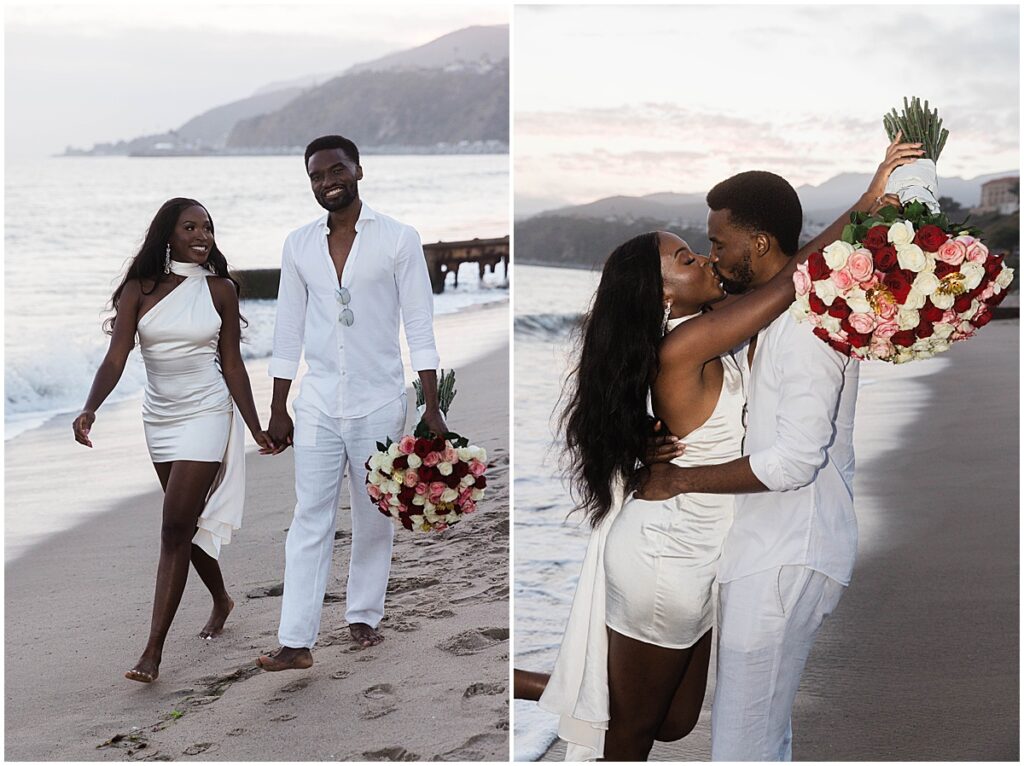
x: 72, y: 225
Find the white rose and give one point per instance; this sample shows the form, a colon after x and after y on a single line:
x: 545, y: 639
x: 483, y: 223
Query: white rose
x: 418, y: 500
x: 445, y: 469
x: 374, y: 478
x: 939, y: 345
x: 901, y: 233
x: 451, y: 518
x: 417, y: 520
x: 825, y: 289
x: 800, y: 309
x: 428, y: 511
x: 911, y: 257
x: 375, y: 460
x: 973, y: 274
x: 908, y: 319
x: 394, y: 487
x: 926, y: 282
x: 1005, y: 277
x: 468, y: 480
x: 903, y: 355
x: 476, y: 494
x: 975, y: 305
x: 414, y: 460
x: 478, y: 452
x: 387, y: 464
x: 915, y: 299
x: 857, y: 300
x: 449, y: 495
x: 830, y: 323
x: 393, y: 500
x: 837, y: 254
x: 943, y: 301
x: 942, y: 330
x: 393, y: 450
x: 464, y: 454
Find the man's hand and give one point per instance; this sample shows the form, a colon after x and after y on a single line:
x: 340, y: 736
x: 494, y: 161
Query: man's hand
x: 280, y: 430
x: 896, y: 154
x: 434, y: 420
x: 662, y: 447
x: 662, y: 481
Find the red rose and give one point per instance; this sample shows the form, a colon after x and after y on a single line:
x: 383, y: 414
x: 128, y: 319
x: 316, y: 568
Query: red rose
x: 983, y: 317
x: 460, y: 469
x: 425, y: 473
x: 842, y: 348
x: 876, y: 238
x: 817, y: 268
x: 839, y: 309
x: 962, y: 303
x: 925, y: 329
x: 817, y: 304
x: 899, y: 283
x: 401, y: 462
x: 993, y: 265
x: 451, y: 480
x: 822, y: 333
x: 438, y: 444
x: 885, y: 258
x: 930, y: 313
x: 995, y: 300
x: 943, y: 269
x: 903, y: 338
x: 405, y: 520
x: 481, y: 482
x: 406, y: 494
x: 859, y: 339
x: 930, y: 238
x: 422, y: 448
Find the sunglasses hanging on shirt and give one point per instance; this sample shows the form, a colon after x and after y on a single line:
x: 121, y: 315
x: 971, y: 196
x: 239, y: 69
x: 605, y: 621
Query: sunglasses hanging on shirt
x: 346, y: 317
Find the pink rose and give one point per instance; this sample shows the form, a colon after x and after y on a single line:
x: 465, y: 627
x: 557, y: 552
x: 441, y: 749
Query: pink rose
x: 373, y: 491
x: 862, y: 323
x: 977, y: 253
x: 861, y: 265
x: 465, y: 496
x: 881, y: 347
x: 469, y: 507
x: 450, y: 455
x: 802, y: 280
x: 843, y: 279
x: 411, y: 479
x: 476, y: 467
x: 886, y: 329
x: 406, y: 445
x: 950, y: 317
x: 432, y: 459
x: 403, y: 508
x: 886, y: 307
x: 422, y: 488
x: 988, y: 292
x: 953, y: 252
x: 967, y: 239
x: 437, y: 489
x: 870, y: 283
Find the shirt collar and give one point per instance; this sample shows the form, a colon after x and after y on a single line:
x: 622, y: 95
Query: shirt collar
x: 366, y: 213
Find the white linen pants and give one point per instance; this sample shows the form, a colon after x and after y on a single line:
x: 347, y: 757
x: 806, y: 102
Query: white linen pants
x: 767, y: 625
x: 323, y: 447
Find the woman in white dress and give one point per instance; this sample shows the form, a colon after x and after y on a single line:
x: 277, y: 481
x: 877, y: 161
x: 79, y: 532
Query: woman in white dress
x: 178, y: 298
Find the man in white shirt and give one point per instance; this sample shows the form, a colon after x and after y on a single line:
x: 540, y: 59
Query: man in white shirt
x: 346, y: 281
x: 791, y: 548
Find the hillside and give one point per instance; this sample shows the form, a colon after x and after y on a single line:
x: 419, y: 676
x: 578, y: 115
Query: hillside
x: 476, y: 47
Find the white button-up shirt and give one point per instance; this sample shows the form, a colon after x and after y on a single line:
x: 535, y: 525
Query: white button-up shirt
x: 358, y: 369
x: 800, y: 407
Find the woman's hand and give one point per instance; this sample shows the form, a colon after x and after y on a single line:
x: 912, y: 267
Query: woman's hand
x: 82, y: 425
x: 896, y: 154
x: 267, y: 446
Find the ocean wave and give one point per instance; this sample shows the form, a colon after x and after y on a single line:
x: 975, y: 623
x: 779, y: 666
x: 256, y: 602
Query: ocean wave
x: 546, y: 325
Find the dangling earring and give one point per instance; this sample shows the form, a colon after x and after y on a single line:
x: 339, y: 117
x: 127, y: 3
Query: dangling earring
x: 664, y: 319
x: 167, y: 259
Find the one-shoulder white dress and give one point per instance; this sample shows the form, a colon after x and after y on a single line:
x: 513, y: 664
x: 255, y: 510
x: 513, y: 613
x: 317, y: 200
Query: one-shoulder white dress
x: 187, y: 411
x: 648, y: 574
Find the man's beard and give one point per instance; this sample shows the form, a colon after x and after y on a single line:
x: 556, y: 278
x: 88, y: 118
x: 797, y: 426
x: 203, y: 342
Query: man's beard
x: 742, y: 276
x: 342, y: 201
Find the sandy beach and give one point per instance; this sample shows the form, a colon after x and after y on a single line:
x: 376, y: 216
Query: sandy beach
x: 78, y: 604
x: 921, y: 659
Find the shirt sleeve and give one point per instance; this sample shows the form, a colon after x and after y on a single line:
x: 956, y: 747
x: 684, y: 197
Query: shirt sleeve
x: 811, y: 379
x: 290, y: 323
x: 416, y: 300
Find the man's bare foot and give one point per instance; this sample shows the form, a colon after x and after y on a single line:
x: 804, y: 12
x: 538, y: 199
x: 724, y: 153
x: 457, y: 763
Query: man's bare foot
x: 146, y: 670
x: 528, y: 685
x: 364, y: 635
x: 286, y: 658
x: 215, y: 625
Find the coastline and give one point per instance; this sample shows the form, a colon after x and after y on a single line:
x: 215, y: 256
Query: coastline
x: 920, y: 660
x: 435, y: 689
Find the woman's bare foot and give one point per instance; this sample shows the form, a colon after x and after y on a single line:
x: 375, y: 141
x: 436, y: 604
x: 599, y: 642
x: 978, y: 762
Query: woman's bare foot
x: 364, y: 635
x: 286, y: 658
x: 215, y: 625
x: 146, y: 670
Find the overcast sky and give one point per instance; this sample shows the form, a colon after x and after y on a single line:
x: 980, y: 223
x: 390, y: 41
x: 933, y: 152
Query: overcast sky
x: 635, y: 100
x: 84, y: 72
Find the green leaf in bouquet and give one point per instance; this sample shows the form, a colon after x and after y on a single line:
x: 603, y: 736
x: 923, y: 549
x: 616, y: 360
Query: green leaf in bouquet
x: 858, y: 216
x: 888, y: 214
x: 456, y: 440
x: 914, y: 211
x: 859, y: 232
x: 381, y: 447
x: 422, y: 431
x: 847, y: 235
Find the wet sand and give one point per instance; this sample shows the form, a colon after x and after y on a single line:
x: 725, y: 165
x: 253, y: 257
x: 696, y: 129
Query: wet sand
x: 921, y: 659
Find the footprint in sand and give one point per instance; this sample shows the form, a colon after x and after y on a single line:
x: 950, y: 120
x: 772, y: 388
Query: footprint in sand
x: 337, y: 675
x: 236, y: 732
x: 401, y: 624
x: 481, y: 747
x: 473, y: 641
x: 393, y: 754
x: 380, y: 700
x: 477, y: 689
x: 405, y: 584
x: 196, y: 749
x: 283, y: 718
x: 295, y: 686
x: 266, y: 591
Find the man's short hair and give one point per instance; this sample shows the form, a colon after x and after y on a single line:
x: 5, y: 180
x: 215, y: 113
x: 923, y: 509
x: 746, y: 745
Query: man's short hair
x: 332, y: 142
x: 761, y: 201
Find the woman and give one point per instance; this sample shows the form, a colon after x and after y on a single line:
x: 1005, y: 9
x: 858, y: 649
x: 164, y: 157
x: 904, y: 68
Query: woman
x: 178, y: 297
x: 633, y: 664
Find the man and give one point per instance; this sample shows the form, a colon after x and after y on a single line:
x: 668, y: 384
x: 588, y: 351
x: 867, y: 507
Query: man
x: 790, y: 551
x: 346, y: 279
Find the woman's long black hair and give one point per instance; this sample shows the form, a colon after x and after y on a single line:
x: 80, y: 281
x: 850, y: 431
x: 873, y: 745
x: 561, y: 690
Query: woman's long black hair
x: 148, y: 263
x: 605, y: 420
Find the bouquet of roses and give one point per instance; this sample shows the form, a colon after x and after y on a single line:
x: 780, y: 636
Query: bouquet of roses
x: 428, y: 482
x: 902, y: 286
